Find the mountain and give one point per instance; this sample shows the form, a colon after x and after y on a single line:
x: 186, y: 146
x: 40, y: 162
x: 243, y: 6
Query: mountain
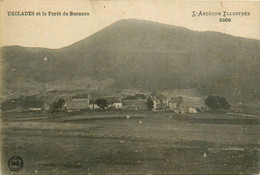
x: 139, y: 54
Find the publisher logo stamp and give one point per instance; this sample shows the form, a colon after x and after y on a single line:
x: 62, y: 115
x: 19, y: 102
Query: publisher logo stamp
x: 15, y: 163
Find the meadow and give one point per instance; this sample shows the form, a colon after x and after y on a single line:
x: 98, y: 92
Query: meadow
x: 131, y: 142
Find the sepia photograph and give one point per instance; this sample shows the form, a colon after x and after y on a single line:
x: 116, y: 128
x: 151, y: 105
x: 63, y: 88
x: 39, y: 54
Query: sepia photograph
x: 129, y: 87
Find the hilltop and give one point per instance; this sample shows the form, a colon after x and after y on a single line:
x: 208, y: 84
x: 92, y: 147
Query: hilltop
x: 139, y: 54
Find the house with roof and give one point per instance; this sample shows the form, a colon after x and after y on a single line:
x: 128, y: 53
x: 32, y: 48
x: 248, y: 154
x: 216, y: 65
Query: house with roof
x: 140, y: 97
x: 93, y: 105
x: 114, y: 102
x: 78, y: 103
x: 136, y: 97
x: 185, y: 104
x: 172, y: 105
x: 159, y: 100
x: 135, y: 102
x: 135, y: 105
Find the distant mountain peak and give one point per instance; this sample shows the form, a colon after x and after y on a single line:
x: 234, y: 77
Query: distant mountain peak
x: 134, y: 53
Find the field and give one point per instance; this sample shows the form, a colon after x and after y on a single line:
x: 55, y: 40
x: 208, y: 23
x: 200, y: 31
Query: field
x: 131, y: 142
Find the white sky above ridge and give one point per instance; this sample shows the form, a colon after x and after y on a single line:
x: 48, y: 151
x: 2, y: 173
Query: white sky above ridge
x: 60, y: 31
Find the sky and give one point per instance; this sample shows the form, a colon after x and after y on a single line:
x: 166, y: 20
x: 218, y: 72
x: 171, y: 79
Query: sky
x: 59, y: 31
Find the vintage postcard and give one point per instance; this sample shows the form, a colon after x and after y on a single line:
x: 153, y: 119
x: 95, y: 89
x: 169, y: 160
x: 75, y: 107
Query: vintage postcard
x: 130, y: 87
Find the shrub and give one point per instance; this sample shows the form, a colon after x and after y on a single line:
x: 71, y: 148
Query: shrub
x: 217, y: 103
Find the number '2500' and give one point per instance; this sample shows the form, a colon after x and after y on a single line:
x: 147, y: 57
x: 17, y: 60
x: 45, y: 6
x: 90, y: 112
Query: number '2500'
x: 224, y: 19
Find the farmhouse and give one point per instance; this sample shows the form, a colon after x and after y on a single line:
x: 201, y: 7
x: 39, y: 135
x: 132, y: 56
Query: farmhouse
x: 135, y: 102
x: 136, y: 97
x: 138, y: 105
x: 114, y: 102
x: 159, y: 100
x: 140, y: 97
x: 78, y: 103
x: 172, y: 105
x: 186, y: 104
x: 93, y: 105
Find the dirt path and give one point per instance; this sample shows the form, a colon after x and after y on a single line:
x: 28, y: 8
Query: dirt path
x: 246, y: 115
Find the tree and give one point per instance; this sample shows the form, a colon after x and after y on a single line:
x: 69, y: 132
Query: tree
x: 224, y: 104
x: 210, y: 102
x: 217, y: 103
x: 58, y: 105
x: 102, y: 103
x: 149, y: 104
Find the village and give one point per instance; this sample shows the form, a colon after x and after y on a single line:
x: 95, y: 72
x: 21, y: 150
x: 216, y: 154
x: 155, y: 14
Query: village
x: 155, y: 101
x: 136, y: 132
